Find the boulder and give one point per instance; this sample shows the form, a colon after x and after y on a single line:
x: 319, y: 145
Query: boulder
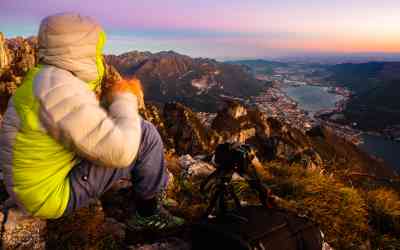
x: 20, y: 231
x: 309, y: 159
x: 167, y: 244
x: 194, y: 170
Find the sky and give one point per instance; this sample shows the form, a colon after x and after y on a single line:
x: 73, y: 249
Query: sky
x: 225, y: 29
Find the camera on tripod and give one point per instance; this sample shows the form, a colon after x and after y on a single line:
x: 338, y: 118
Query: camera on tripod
x: 231, y: 158
x: 234, y: 157
x: 251, y: 227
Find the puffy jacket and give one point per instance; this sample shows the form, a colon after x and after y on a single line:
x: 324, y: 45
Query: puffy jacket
x: 54, y: 118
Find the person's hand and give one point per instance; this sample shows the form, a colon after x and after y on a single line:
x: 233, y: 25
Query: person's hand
x: 132, y: 86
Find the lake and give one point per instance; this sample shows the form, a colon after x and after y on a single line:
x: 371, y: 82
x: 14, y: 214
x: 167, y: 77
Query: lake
x: 383, y: 148
x: 312, y: 98
x: 316, y: 98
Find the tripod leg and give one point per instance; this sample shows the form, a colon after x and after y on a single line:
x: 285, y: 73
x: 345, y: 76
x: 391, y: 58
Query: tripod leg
x: 221, y: 208
x: 234, y: 196
x: 212, y: 205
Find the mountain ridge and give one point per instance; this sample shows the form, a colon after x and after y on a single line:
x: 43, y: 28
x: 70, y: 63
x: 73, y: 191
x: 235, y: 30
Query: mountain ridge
x: 197, y: 82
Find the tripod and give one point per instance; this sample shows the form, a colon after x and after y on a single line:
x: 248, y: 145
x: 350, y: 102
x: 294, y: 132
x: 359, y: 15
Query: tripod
x: 230, y: 159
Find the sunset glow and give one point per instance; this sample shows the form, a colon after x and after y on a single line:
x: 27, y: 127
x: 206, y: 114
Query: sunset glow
x: 226, y: 28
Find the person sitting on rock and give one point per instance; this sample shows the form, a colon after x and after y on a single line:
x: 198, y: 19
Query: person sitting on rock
x: 60, y: 150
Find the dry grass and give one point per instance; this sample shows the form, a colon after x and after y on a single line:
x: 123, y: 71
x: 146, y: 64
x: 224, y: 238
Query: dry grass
x: 340, y: 211
x: 384, y: 206
x: 350, y: 218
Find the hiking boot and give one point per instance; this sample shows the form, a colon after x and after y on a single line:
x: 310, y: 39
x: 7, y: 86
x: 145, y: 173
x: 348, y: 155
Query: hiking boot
x: 160, y: 221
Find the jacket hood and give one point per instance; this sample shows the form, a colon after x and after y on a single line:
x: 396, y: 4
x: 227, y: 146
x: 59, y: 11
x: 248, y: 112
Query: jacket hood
x: 74, y: 43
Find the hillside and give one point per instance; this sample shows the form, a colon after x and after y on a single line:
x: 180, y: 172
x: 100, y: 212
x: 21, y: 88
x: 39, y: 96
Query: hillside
x: 376, y: 85
x: 196, y: 82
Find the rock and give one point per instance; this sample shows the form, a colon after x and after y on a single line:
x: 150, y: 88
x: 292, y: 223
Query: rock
x: 195, y: 170
x: 309, y: 159
x: 4, y: 58
x: 235, y: 110
x: 271, y: 138
x: 237, y: 123
x: 23, y: 54
x: 84, y: 229
x: 114, y: 228
x: 326, y: 246
x: 206, y: 118
x: 17, y: 57
x: 233, y: 123
x: 22, y: 231
x: 153, y: 114
x: 167, y: 244
x: 187, y: 132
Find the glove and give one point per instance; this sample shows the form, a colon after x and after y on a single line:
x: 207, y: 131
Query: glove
x: 132, y: 86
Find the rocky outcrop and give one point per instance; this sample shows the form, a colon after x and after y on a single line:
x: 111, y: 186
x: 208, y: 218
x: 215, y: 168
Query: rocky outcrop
x: 21, y: 231
x: 4, y: 60
x: 167, y: 244
x: 194, y: 170
x: 23, y: 54
x: 186, y: 130
x: 272, y: 138
x: 17, y: 56
x: 153, y: 114
x: 233, y: 123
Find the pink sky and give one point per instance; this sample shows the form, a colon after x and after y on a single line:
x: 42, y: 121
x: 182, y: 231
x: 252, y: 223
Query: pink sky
x: 226, y: 28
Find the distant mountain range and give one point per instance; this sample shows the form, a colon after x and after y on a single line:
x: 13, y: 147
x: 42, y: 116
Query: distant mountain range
x: 196, y: 82
x: 260, y: 66
x: 338, y: 58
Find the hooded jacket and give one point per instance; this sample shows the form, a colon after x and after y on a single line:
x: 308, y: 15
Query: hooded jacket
x: 54, y: 119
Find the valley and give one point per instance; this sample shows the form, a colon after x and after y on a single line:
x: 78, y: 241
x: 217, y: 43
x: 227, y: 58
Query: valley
x: 302, y: 96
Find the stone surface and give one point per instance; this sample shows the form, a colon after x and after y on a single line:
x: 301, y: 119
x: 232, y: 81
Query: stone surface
x: 168, y: 244
x: 195, y: 170
x: 4, y: 58
x: 153, y: 114
x: 186, y: 130
x: 309, y: 159
x: 114, y: 228
x: 17, y: 56
x: 22, y: 231
x: 271, y: 138
x: 326, y: 246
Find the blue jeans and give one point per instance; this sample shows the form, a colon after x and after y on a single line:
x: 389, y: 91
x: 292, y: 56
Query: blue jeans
x: 148, y: 173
